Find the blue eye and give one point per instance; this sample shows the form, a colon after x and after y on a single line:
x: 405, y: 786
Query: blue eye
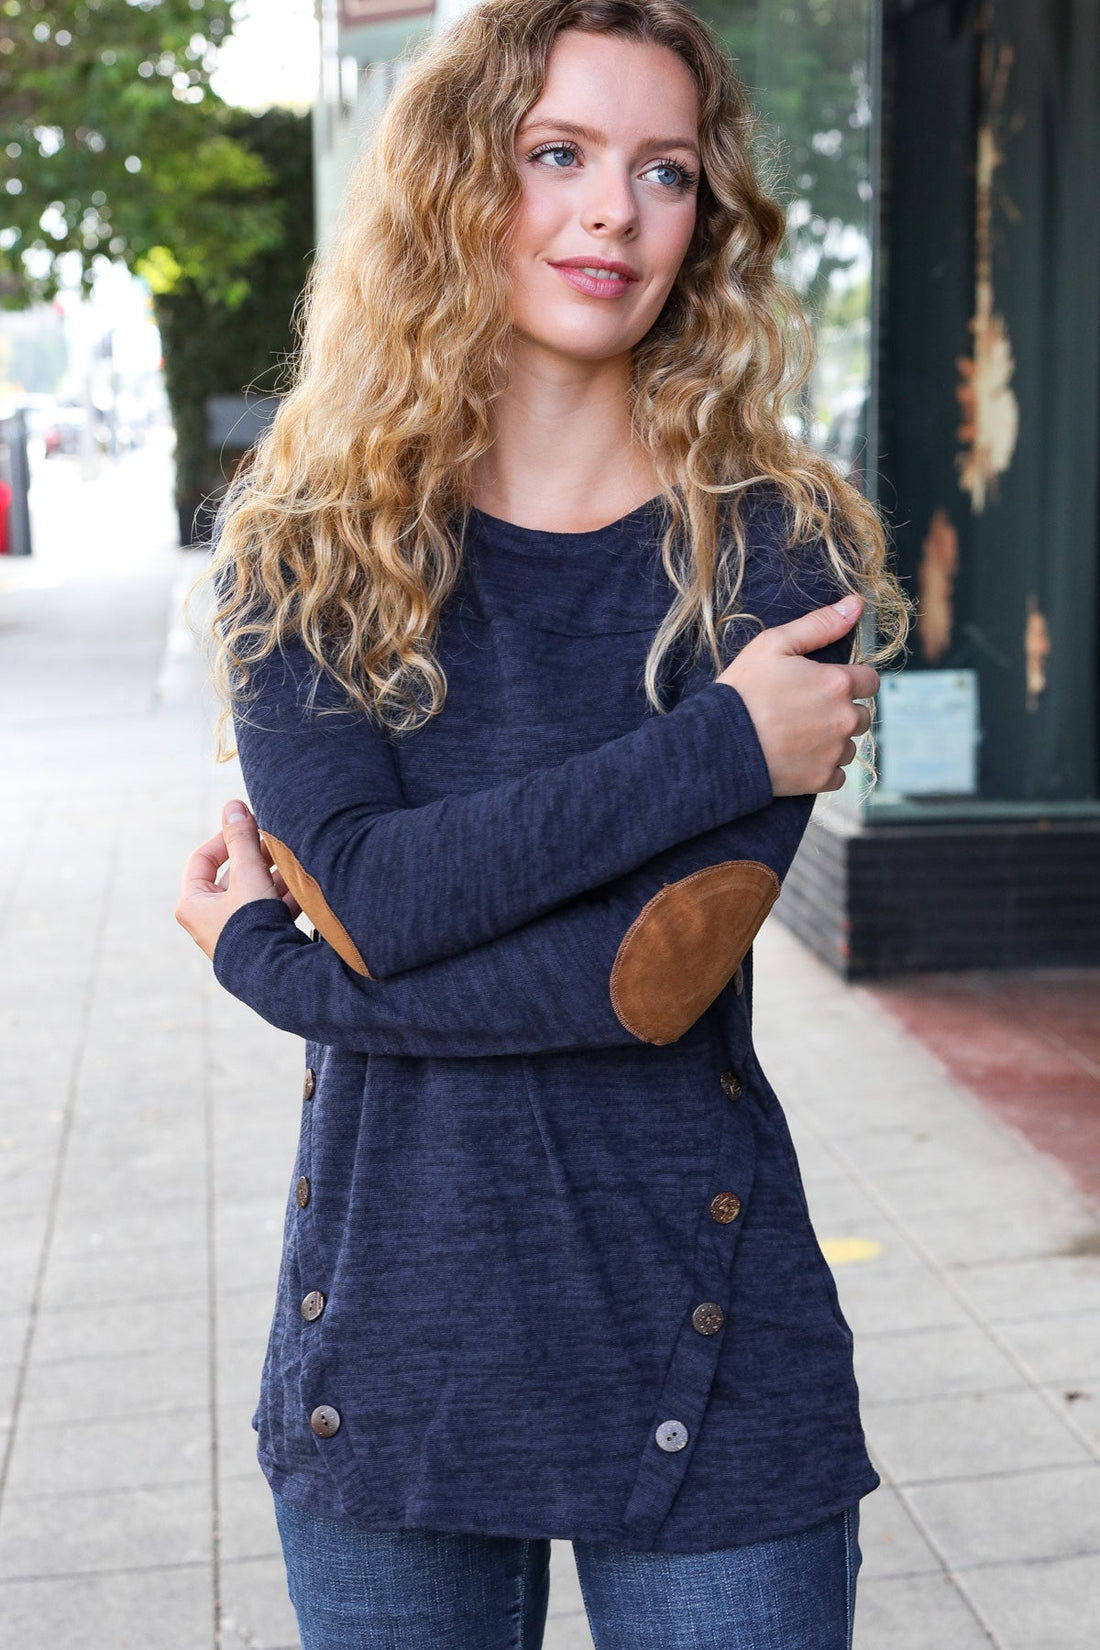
x: 671, y: 175
x: 561, y: 155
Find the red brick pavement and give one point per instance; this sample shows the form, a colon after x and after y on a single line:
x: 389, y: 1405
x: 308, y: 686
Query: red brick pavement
x: 1027, y: 1044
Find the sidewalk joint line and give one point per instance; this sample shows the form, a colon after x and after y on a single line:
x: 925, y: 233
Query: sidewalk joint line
x: 936, y: 1267
x: 76, y: 1073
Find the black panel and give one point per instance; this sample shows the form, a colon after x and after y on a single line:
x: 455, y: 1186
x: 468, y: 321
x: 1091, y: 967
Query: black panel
x: 904, y: 899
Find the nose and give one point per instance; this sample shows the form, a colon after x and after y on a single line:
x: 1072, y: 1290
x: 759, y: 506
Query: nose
x: 610, y: 207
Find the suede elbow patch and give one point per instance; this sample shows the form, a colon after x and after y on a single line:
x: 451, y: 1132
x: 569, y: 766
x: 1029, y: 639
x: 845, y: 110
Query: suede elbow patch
x: 685, y: 944
x: 307, y: 891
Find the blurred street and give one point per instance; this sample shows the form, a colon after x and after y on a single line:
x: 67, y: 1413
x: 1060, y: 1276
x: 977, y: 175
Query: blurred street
x: 148, y: 1131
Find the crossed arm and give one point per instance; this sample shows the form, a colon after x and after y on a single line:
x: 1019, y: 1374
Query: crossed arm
x: 637, y: 960
x: 624, y: 930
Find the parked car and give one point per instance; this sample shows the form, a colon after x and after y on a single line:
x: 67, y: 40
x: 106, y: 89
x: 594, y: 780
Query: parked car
x: 62, y: 433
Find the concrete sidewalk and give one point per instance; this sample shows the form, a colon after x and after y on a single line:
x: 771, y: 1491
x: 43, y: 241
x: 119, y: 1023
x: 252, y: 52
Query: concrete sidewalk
x: 148, y: 1133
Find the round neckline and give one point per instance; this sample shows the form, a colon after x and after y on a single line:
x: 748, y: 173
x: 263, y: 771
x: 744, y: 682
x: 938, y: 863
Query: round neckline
x: 536, y: 540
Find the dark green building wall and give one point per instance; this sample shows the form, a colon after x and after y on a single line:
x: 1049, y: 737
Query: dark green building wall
x: 939, y: 160
x: 992, y: 160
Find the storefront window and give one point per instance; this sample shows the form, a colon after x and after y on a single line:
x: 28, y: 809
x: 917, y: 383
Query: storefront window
x: 807, y: 67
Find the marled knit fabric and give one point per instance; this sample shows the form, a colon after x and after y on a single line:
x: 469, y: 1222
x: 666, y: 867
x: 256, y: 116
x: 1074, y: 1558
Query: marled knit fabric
x: 509, y: 1198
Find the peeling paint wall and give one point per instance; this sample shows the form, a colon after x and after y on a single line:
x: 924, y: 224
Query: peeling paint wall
x: 1036, y: 648
x: 990, y: 423
x: 936, y: 582
x: 989, y: 370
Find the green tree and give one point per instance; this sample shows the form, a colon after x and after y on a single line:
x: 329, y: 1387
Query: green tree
x: 214, y: 346
x: 805, y: 64
x: 112, y: 144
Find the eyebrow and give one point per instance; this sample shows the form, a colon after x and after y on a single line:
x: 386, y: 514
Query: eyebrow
x: 592, y: 135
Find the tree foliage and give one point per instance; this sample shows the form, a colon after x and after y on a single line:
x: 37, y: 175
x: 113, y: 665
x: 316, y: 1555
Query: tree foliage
x: 806, y: 64
x: 112, y: 144
x: 213, y: 347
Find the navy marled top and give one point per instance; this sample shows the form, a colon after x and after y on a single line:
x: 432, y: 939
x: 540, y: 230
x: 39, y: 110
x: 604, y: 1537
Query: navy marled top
x: 508, y: 1207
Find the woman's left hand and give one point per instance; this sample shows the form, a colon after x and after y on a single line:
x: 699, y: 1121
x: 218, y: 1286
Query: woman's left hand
x: 207, y: 901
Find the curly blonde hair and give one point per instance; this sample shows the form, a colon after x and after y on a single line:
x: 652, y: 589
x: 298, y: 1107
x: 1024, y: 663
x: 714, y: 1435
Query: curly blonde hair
x: 346, y: 528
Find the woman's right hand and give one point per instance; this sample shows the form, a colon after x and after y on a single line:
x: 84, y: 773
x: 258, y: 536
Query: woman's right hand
x: 206, y: 900
x: 804, y: 711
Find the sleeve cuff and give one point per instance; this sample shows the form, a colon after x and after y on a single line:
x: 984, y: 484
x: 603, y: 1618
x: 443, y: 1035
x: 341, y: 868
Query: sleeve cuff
x: 238, y: 951
x: 743, y: 768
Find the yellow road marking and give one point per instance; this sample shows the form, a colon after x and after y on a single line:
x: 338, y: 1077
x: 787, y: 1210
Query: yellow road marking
x: 846, y: 1251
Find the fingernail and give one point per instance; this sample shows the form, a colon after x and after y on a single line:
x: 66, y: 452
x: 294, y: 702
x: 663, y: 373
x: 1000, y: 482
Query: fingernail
x: 235, y: 811
x: 848, y: 607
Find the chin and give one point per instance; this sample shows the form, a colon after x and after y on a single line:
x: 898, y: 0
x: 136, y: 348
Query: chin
x: 583, y: 342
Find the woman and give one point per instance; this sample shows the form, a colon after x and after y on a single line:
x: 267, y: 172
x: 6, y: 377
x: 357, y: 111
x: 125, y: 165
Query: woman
x: 513, y: 610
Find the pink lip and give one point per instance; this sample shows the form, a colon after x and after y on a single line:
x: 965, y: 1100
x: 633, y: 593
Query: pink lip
x: 572, y: 269
x: 627, y: 271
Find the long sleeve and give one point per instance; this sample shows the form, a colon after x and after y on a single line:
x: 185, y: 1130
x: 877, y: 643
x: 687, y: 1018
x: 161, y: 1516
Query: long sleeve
x: 604, y: 900
x: 396, y: 887
x: 670, y: 934
x: 545, y: 986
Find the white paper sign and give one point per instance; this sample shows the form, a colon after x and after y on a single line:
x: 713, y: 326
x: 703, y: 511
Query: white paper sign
x: 928, y: 732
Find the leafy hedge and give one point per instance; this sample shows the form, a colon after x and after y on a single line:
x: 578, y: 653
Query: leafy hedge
x: 213, y: 346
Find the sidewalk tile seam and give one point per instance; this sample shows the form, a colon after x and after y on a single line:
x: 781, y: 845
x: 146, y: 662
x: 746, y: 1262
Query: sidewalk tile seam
x: 1057, y: 1171
x: 101, y: 1491
x: 117, y: 1418
x: 948, y: 1282
x: 1024, y: 1563
x: 240, y: 1560
x: 947, y: 1579
x: 53, y: 1576
x: 866, y: 1579
x: 948, y: 1395
x: 97, y: 1307
x: 902, y: 1484
x: 170, y: 1353
x: 73, y: 1087
x: 871, y: 1333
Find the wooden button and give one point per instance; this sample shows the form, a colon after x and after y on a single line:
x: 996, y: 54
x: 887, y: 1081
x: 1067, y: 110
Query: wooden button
x: 708, y: 1318
x: 313, y: 1306
x: 325, y: 1421
x: 726, y: 1206
x: 731, y: 1084
x: 309, y: 1083
x: 303, y: 1189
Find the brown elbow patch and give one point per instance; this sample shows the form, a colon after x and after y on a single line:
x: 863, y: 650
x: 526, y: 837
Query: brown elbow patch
x: 307, y: 891
x: 685, y: 944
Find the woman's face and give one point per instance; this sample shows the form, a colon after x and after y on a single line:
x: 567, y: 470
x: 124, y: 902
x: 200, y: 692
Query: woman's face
x: 609, y: 163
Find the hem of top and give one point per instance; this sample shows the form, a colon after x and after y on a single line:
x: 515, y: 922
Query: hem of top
x: 290, y: 1485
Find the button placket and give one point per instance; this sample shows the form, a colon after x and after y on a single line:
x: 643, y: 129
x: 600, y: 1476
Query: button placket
x: 310, y: 1307
x: 681, y: 1407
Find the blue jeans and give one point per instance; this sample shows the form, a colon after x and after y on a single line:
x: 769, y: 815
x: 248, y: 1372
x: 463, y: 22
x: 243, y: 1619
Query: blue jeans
x: 417, y: 1590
